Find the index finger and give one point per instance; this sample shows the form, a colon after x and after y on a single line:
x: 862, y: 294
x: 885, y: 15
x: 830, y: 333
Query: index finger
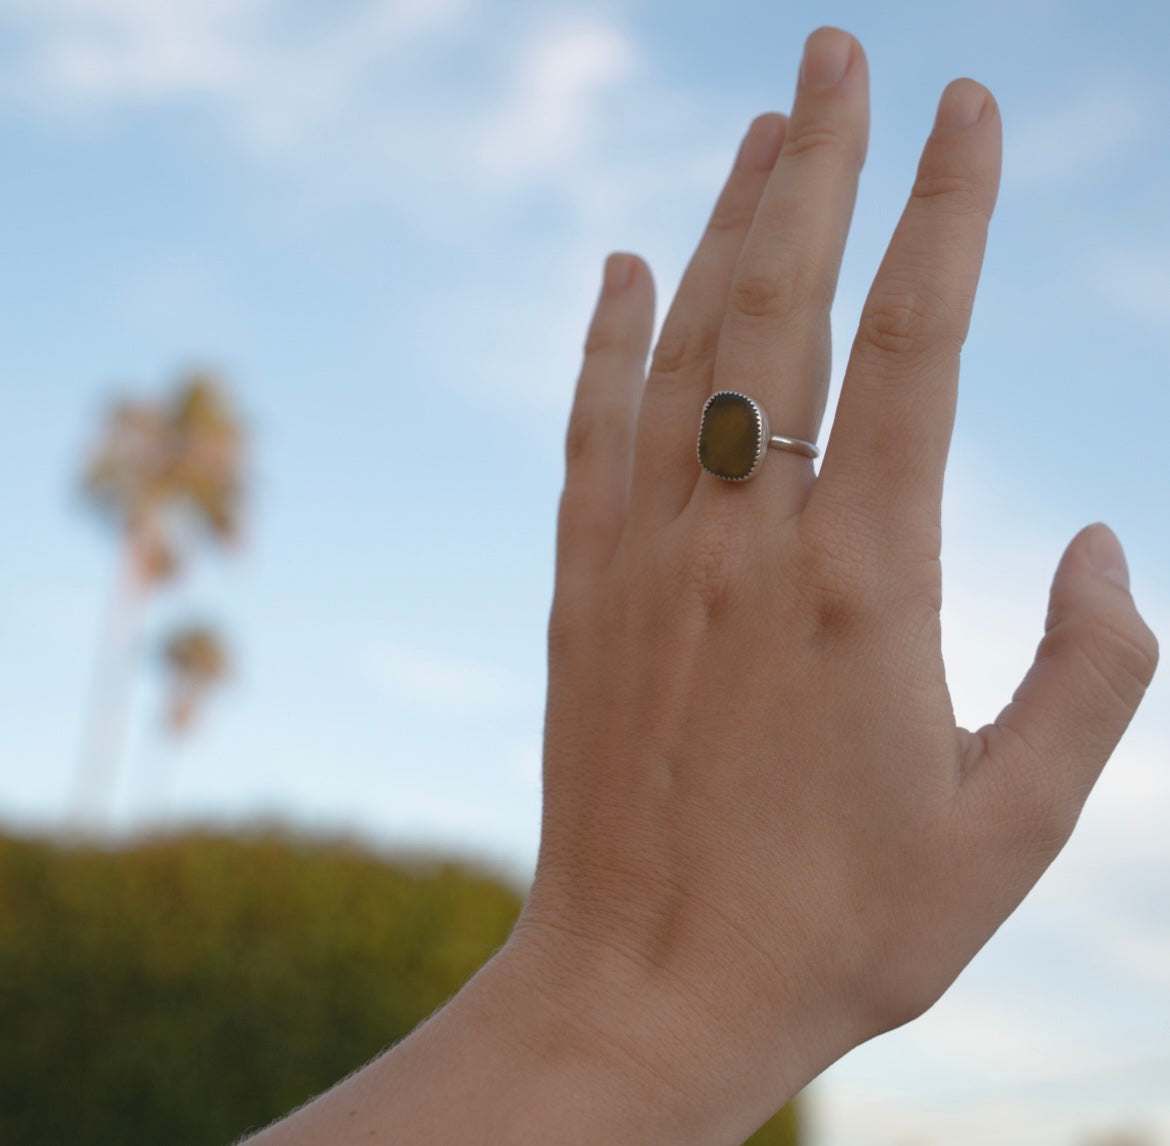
x: 883, y: 466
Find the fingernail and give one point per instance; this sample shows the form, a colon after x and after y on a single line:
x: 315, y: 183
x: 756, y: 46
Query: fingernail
x: 1107, y: 557
x: 827, y: 53
x: 761, y: 146
x: 961, y: 106
x: 619, y: 273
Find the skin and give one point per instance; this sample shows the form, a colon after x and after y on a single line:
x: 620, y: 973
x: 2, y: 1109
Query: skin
x: 765, y: 840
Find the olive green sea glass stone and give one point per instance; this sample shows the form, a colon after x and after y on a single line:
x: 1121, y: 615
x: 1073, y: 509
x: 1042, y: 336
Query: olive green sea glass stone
x: 729, y: 436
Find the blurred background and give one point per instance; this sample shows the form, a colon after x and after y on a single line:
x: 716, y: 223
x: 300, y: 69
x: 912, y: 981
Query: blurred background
x: 291, y: 309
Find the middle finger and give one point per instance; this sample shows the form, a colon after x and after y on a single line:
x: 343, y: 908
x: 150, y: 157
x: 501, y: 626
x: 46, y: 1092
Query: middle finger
x: 775, y: 343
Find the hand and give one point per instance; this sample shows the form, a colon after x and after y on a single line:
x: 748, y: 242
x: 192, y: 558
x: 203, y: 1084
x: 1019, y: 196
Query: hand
x: 765, y: 840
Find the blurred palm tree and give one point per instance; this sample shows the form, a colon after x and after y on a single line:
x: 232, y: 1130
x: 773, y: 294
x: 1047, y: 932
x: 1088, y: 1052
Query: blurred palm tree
x: 195, y: 660
x: 168, y: 476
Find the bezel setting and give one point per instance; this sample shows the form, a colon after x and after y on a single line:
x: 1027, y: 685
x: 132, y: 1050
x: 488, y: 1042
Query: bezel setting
x: 723, y: 458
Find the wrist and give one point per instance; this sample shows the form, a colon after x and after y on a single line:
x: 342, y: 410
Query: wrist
x: 559, y: 1041
x: 658, y: 1059
x: 564, y: 1067
x: 506, y: 1062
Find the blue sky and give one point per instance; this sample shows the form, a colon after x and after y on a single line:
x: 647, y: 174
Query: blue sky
x: 385, y: 221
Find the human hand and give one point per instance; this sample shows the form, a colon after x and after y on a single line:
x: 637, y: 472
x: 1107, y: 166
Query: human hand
x: 764, y: 839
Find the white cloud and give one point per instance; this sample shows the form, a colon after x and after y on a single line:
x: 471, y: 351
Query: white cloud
x: 552, y: 113
x: 114, y: 50
x: 371, y: 103
x: 374, y: 102
x: 272, y: 79
x: 360, y: 76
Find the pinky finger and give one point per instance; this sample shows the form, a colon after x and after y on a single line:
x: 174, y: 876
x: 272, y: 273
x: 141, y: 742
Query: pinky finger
x: 600, y: 438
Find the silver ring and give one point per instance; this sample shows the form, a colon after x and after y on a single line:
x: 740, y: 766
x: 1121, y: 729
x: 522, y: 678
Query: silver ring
x: 734, y: 436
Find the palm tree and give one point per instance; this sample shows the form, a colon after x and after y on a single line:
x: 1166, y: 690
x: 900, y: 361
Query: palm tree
x: 167, y: 475
x: 195, y: 660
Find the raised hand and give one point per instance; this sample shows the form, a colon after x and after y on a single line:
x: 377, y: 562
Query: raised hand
x: 765, y: 840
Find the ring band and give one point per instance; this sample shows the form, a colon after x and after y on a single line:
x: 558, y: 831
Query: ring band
x: 793, y: 445
x: 734, y: 436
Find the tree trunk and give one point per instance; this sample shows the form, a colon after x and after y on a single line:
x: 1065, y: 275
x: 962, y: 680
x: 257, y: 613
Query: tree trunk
x: 110, y: 695
x: 157, y: 770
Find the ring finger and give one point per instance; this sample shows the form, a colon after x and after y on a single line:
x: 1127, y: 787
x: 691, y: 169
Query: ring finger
x: 683, y: 363
x: 774, y: 344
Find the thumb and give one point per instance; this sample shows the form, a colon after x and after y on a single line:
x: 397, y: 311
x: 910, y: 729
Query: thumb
x: 1092, y: 668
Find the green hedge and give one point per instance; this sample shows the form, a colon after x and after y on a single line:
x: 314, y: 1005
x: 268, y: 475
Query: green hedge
x: 189, y: 989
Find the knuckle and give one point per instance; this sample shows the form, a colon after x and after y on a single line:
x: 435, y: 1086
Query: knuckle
x: 708, y: 569
x: 732, y: 215
x: 956, y: 192
x: 576, y: 515
x: 1123, y: 658
x: 684, y: 350
x: 562, y: 632
x: 1035, y: 811
x: 840, y: 589
x: 570, y: 624
x: 818, y: 137
x: 579, y: 437
x: 590, y: 427
x: 604, y: 338
x: 1045, y: 805
x: 897, y: 323
x: 764, y: 293
x: 581, y: 612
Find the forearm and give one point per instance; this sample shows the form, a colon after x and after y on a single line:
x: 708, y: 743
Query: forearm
x: 495, y: 1065
x: 503, y: 1063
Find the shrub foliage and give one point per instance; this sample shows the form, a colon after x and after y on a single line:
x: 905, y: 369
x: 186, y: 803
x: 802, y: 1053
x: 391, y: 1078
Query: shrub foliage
x: 190, y: 989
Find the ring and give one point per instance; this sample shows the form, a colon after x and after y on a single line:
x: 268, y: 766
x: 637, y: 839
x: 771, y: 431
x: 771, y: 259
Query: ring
x: 734, y: 436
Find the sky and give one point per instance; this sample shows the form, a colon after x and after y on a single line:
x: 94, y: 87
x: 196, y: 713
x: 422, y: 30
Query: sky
x: 384, y: 223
